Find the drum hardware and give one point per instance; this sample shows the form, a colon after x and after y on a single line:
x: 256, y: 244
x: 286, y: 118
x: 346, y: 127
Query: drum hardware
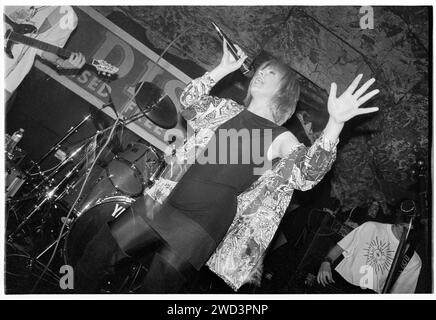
x: 112, y: 130
x: 58, y: 144
x: 49, y: 195
x: 50, y: 178
x: 156, y: 174
x: 42, y: 189
x: 43, y: 252
x: 128, y: 174
x: 32, y: 266
x: 69, y: 188
x: 119, y: 173
x: 46, y: 181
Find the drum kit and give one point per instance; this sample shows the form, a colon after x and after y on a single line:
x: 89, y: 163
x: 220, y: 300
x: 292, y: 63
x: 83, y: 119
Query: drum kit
x: 92, y: 192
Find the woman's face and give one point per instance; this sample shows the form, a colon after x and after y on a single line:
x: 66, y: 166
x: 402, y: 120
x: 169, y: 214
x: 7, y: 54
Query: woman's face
x: 265, y: 83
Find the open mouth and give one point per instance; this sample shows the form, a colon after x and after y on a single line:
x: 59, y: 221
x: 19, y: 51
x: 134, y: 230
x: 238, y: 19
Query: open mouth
x: 258, y: 81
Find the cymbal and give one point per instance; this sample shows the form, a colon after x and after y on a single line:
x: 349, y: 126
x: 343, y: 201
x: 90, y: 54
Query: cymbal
x: 156, y: 105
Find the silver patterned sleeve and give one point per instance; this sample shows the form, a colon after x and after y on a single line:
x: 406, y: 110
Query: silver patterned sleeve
x: 193, y: 95
x: 305, y: 167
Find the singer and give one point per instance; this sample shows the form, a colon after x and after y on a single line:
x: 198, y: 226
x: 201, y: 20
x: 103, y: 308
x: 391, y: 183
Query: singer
x: 183, y: 229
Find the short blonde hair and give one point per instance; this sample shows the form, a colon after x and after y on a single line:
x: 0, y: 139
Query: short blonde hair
x: 285, y: 101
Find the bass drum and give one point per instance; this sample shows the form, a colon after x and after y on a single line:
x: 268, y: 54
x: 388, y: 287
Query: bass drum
x: 89, y: 223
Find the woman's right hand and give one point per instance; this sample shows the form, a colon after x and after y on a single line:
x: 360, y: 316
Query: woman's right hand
x: 228, y: 63
x: 325, y: 274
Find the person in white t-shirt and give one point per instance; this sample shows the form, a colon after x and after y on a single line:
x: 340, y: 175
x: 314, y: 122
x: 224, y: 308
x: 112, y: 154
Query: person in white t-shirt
x: 54, y: 25
x: 368, y: 254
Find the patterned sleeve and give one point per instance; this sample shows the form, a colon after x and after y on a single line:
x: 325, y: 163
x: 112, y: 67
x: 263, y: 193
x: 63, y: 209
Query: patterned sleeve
x: 193, y: 96
x: 305, y: 167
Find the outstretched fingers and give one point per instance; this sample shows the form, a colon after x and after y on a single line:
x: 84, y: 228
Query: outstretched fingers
x: 367, y: 96
x: 363, y: 88
x: 333, y: 91
x: 366, y: 110
x: 354, y: 84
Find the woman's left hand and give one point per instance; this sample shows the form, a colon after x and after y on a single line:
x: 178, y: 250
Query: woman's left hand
x: 75, y: 61
x: 345, y: 107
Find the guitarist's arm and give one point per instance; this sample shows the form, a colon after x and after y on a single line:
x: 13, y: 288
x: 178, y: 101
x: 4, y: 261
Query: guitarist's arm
x: 75, y: 61
x: 325, y: 270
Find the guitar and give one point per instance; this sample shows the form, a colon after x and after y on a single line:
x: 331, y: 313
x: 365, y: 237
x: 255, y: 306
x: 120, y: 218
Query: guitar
x: 16, y: 35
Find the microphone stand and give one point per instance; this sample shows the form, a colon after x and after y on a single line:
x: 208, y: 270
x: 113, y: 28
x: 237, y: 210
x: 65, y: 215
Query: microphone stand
x: 48, y: 196
x: 58, y: 167
x: 57, y: 145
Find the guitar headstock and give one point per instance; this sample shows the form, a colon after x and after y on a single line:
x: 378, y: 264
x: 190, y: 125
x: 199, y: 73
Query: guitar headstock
x: 104, y: 67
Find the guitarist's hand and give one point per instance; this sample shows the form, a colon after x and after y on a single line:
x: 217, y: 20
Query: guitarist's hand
x: 325, y: 274
x: 75, y: 61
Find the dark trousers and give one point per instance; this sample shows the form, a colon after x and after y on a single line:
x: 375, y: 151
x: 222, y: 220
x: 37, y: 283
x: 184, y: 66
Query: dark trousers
x: 130, y: 236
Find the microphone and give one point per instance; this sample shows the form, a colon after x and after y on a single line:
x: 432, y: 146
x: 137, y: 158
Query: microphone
x: 245, y: 67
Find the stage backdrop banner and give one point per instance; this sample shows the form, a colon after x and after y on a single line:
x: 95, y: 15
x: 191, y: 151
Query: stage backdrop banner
x: 97, y: 37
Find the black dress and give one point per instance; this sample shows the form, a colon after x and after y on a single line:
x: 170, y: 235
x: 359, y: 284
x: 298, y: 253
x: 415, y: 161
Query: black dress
x: 200, y: 209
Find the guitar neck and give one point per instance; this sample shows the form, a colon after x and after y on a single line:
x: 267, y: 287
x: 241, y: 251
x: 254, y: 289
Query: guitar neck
x: 63, y: 53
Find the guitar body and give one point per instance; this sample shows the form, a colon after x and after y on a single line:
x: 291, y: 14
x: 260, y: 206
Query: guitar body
x: 18, y: 28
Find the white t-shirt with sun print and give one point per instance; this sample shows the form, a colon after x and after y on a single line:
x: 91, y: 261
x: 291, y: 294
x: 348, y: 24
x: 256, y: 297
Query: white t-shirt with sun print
x: 368, y: 254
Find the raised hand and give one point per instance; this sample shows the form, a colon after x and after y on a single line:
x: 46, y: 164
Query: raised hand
x: 345, y: 107
x: 228, y: 62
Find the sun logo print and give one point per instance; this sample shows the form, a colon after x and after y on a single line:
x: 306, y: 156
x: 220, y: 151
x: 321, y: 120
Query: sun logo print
x: 379, y: 255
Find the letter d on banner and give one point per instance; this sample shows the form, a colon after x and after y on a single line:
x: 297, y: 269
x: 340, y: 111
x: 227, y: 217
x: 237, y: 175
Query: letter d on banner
x: 111, y: 41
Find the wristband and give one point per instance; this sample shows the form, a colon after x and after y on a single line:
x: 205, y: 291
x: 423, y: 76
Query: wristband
x: 328, y: 259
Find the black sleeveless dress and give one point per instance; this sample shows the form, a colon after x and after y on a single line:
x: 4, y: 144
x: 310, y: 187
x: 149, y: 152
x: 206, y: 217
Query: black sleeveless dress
x: 200, y: 209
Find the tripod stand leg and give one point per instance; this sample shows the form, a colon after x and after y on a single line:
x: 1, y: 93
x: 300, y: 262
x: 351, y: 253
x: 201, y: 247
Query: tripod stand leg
x: 51, y: 245
x: 12, y: 235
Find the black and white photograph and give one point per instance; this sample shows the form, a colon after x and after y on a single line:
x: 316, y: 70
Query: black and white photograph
x: 220, y: 149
